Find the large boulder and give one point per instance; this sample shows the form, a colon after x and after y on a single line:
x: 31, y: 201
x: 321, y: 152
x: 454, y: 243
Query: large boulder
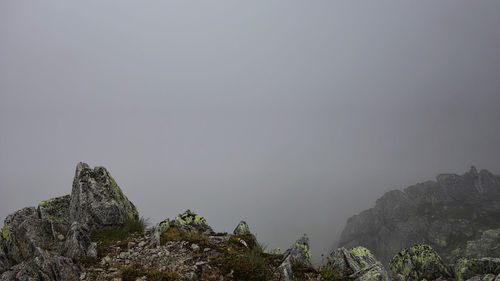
x: 43, y: 266
x: 419, y: 262
x: 465, y: 268
x: 357, y: 264
x: 298, y: 253
x: 97, y: 201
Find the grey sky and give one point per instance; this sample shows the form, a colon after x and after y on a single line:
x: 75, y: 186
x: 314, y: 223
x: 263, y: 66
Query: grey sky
x: 292, y: 115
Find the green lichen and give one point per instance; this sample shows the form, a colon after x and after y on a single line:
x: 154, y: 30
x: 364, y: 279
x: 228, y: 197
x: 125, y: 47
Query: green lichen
x: 6, y: 235
x: 417, y: 262
x: 363, y: 256
x: 305, y: 249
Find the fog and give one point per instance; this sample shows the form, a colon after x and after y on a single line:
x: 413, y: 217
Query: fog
x: 291, y: 115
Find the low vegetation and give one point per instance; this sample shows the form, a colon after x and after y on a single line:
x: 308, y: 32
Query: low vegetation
x: 131, y: 273
x: 174, y: 234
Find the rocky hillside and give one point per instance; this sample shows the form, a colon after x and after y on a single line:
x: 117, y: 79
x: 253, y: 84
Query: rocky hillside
x: 95, y: 233
x: 458, y: 215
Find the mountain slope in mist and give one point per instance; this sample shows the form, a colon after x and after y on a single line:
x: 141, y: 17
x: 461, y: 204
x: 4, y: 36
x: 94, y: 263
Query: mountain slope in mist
x: 454, y: 214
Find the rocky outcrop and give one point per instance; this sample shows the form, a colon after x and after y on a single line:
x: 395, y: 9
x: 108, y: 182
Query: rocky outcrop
x: 242, y: 229
x: 96, y: 199
x: 44, y: 243
x: 488, y: 245
x: 187, y: 221
x: 419, y: 262
x: 445, y: 214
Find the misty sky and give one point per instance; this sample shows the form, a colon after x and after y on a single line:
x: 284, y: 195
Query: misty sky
x: 291, y: 115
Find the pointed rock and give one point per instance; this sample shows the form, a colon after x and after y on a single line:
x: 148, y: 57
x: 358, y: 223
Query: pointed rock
x: 96, y: 199
x: 242, y: 229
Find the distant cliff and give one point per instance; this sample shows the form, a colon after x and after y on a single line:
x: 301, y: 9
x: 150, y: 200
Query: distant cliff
x: 454, y: 214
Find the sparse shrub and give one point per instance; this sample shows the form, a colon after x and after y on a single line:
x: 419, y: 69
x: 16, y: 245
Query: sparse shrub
x: 110, y: 235
x: 246, y: 263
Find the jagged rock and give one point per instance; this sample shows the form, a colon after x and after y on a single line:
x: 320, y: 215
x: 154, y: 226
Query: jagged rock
x: 467, y: 268
x: 23, y: 231
x: 96, y: 199
x: 445, y: 214
x: 77, y: 242
x: 357, y: 263
x: 299, y: 252
x: 242, y: 229
x: 419, y: 262
x: 56, y: 210
x: 44, y: 266
x: 488, y: 245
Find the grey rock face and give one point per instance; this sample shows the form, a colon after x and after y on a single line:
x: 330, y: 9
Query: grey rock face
x: 419, y: 262
x: 445, y: 214
x: 96, y: 199
x: 77, y: 241
x: 4, y: 263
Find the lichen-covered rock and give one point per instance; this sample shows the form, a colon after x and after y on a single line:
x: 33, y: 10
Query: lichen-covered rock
x: 96, y: 199
x: 467, y: 268
x: 357, y: 264
x: 299, y: 252
x: 191, y: 222
x: 56, y: 210
x: 23, y: 231
x: 419, y: 262
x: 43, y: 266
x: 488, y: 245
x: 242, y: 229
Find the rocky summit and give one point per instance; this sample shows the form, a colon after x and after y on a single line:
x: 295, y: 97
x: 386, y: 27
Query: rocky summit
x: 96, y: 233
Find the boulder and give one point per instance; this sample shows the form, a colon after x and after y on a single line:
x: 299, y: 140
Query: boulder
x: 97, y: 201
x: 419, y: 262
x: 467, y: 268
x: 191, y: 222
x: 299, y: 252
x: 356, y: 264
x: 43, y: 266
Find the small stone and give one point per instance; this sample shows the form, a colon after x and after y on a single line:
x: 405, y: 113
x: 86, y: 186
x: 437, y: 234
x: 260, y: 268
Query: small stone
x: 195, y: 247
x: 60, y: 237
x: 130, y: 245
x: 142, y: 244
